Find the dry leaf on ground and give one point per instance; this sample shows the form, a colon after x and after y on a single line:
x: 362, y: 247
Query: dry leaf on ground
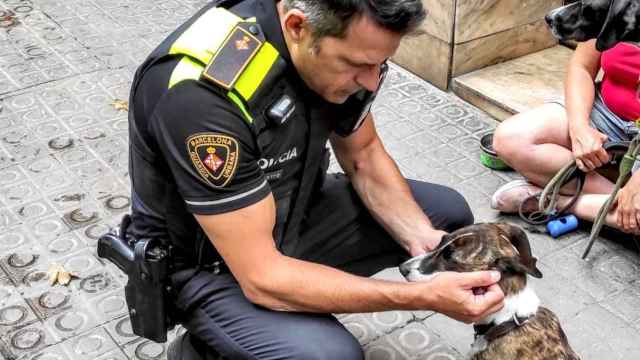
x: 58, y: 275
x: 120, y: 105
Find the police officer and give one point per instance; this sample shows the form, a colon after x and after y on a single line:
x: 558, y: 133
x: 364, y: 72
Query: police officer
x: 229, y: 123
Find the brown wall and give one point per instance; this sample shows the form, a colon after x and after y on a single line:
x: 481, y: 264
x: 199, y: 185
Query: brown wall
x: 466, y: 35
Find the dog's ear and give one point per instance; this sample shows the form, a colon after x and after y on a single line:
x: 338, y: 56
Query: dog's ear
x: 515, y: 265
x: 520, y: 241
x: 620, y: 21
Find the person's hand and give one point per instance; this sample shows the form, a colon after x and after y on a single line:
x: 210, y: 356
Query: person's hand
x: 586, y: 145
x: 467, y: 297
x: 426, y: 243
x: 627, y: 204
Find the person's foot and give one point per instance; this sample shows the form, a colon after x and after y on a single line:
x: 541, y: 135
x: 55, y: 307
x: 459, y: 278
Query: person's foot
x: 509, y: 196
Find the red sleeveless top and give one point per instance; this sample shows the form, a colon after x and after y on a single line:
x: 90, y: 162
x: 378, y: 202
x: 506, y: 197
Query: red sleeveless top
x: 621, y: 67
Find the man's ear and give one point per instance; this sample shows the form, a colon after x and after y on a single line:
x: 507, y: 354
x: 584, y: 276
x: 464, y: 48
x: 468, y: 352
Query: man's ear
x: 296, y: 26
x: 514, y: 265
x: 620, y: 21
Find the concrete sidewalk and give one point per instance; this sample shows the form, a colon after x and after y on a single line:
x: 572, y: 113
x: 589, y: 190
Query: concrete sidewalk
x: 63, y: 182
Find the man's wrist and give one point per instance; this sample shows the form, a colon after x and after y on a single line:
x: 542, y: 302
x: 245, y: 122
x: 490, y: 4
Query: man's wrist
x: 416, y: 296
x: 434, y: 237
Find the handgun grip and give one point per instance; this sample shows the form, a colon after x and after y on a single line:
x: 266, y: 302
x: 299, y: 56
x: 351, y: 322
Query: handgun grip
x: 116, y: 250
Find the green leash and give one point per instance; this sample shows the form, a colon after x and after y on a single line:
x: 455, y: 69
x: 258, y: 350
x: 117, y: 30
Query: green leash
x: 626, y: 165
x: 548, y: 198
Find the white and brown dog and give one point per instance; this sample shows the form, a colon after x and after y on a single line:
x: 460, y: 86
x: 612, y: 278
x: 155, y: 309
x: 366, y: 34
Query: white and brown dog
x: 522, y: 329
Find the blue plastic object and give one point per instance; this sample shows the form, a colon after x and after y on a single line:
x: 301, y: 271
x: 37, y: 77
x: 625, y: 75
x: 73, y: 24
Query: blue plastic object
x: 562, y: 225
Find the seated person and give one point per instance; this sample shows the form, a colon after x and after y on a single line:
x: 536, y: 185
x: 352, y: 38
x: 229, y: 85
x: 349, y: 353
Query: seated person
x: 538, y: 143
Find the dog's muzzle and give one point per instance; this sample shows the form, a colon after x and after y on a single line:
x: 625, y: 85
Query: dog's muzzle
x: 411, y: 269
x: 554, y: 18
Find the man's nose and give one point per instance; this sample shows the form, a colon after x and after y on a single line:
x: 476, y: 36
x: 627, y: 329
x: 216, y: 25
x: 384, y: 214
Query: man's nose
x: 369, y: 78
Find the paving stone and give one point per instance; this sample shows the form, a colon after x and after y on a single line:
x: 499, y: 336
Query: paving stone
x: 467, y: 168
x: 489, y: 182
x: 584, y: 274
x: 90, y: 344
x: 543, y: 244
x: 456, y: 334
x: 413, y: 341
x: 402, y: 150
x: 367, y: 327
x: 121, y: 331
x: 559, y: 294
x: 615, y: 340
x: 145, y: 349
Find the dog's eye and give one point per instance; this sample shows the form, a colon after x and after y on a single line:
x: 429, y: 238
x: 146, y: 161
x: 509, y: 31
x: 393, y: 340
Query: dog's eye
x: 447, y: 252
x: 588, y: 13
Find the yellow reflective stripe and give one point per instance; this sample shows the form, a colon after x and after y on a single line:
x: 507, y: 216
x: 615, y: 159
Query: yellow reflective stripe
x: 201, y: 40
x: 186, y: 69
x: 236, y: 100
x: 256, y: 71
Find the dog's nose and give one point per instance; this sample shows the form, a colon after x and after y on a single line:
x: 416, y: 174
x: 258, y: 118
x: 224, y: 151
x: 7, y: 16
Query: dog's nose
x: 404, y: 269
x: 549, y: 19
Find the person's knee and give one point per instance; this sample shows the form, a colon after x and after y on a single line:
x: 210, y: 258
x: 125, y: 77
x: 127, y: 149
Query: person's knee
x: 328, y: 344
x: 454, y: 215
x: 505, y: 138
x: 347, y: 347
x: 458, y: 213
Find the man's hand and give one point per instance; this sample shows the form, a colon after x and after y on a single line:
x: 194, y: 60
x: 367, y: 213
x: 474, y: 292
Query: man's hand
x: 586, y: 144
x: 427, y: 243
x: 456, y: 296
x: 628, y: 206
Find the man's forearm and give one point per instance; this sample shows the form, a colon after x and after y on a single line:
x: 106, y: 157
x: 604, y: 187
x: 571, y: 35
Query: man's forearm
x: 386, y: 193
x: 296, y: 285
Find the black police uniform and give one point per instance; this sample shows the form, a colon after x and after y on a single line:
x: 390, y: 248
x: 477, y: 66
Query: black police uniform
x: 195, y: 151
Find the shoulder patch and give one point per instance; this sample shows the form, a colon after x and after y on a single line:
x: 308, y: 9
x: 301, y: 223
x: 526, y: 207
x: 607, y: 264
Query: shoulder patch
x: 214, y: 156
x: 232, y: 58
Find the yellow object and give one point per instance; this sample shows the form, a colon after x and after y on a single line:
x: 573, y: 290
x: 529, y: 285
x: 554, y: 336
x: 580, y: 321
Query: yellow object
x: 121, y: 105
x: 58, y: 275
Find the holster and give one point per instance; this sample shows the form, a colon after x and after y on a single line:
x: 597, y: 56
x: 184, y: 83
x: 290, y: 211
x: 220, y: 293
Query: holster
x: 147, y: 264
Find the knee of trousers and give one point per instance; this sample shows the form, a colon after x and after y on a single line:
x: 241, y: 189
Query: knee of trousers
x: 454, y: 212
x: 337, y: 345
x: 457, y: 213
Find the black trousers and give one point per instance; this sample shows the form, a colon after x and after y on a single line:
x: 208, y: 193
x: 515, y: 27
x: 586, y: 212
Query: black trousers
x: 337, y: 231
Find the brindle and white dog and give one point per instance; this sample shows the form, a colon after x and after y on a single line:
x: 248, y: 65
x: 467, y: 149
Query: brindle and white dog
x: 522, y: 329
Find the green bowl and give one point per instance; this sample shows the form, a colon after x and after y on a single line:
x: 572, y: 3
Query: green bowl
x: 488, y: 156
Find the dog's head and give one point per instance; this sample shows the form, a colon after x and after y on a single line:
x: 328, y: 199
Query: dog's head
x: 608, y: 21
x: 495, y: 246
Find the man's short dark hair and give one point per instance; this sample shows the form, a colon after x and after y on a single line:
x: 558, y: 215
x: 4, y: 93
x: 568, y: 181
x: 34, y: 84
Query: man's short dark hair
x: 332, y: 17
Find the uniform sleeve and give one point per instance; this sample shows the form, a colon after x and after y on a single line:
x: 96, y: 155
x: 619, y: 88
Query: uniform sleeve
x: 209, y: 148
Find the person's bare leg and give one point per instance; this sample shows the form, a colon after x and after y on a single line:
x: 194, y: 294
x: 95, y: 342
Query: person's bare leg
x: 536, y: 143
x: 587, y: 207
